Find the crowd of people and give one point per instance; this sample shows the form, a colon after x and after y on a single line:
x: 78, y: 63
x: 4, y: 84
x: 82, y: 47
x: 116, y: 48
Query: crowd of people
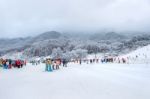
x: 9, y: 63
x: 54, y: 64
x: 114, y: 60
x: 102, y: 60
x: 51, y: 64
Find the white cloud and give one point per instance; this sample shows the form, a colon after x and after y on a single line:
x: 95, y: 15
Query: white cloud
x: 28, y: 17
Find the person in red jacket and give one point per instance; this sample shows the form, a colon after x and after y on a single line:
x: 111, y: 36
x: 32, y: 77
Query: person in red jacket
x: 18, y: 63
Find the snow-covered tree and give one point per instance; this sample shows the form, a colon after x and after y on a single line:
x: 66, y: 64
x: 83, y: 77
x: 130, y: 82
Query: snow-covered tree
x: 79, y: 53
x: 57, y: 53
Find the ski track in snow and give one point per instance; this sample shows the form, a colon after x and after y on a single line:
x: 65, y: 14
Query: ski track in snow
x: 86, y: 81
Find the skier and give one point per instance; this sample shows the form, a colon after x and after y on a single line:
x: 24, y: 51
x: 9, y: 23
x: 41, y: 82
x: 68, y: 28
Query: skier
x: 123, y: 60
x: 87, y: 61
x: 102, y: 60
x: 80, y: 61
x: 97, y: 60
x: 64, y: 63
x: 119, y: 60
x: 7, y: 64
x: 36, y: 62
x: 48, y: 65
x: 53, y: 64
x: 10, y: 64
x: 58, y: 62
x: 25, y: 62
x: 18, y: 63
x: 4, y: 64
x: 1, y: 62
x: 39, y: 62
x: 91, y: 61
x: 21, y: 63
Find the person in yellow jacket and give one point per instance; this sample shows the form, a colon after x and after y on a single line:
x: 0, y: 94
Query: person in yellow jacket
x: 1, y: 62
x: 48, y: 65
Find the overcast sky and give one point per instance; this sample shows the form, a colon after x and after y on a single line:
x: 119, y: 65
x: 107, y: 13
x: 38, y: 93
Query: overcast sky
x: 30, y: 17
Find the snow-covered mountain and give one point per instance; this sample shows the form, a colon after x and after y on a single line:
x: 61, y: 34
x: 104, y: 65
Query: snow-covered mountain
x: 108, y: 36
x: 46, y: 36
x: 13, y: 44
x: 43, y: 44
x: 19, y: 44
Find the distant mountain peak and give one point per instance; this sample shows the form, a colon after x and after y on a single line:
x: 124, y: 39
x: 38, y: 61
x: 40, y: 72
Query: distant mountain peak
x: 108, y: 36
x: 47, y: 35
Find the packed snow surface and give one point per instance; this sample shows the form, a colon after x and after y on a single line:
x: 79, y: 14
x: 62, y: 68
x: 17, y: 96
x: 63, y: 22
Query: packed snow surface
x: 86, y: 81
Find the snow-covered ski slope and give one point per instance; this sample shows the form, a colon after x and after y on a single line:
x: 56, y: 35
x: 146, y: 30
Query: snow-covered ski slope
x: 86, y: 81
x: 141, y: 55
